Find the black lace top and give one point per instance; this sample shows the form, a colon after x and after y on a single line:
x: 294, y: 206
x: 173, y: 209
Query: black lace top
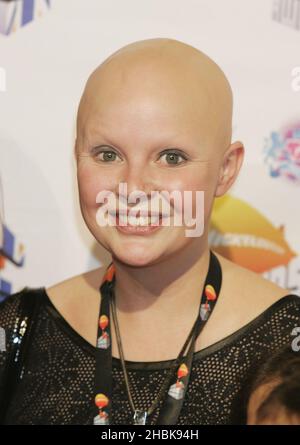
x: 57, y: 382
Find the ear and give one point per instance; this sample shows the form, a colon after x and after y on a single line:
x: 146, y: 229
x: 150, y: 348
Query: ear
x: 230, y: 167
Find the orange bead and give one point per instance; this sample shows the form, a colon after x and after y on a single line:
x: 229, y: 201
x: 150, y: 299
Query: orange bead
x: 103, y: 322
x: 210, y: 292
x: 101, y: 400
x: 182, y: 371
x: 109, y: 274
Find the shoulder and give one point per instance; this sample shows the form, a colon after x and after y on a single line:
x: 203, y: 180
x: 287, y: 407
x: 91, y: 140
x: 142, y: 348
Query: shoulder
x: 10, y: 316
x: 10, y: 308
x: 13, y: 306
x: 247, y: 286
x: 86, y: 284
x: 245, y: 295
x: 247, y: 300
x: 77, y: 298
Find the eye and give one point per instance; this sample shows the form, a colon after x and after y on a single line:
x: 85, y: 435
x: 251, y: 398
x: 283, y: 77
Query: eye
x: 173, y: 156
x: 108, y: 155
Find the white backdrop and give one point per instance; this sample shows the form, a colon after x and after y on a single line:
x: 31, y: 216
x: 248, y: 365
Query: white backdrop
x: 44, y: 67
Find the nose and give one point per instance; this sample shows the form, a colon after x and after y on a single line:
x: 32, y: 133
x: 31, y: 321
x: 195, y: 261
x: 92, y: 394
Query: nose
x: 138, y: 179
x: 134, y: 181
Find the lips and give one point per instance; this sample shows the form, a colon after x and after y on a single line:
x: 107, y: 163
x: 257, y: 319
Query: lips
x: 140, y: 213
x: 145, y: 220
x: 141, y: 221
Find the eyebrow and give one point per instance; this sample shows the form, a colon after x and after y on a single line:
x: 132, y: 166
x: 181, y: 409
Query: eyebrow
x: 100, y: 137
x: 100, y: 134
x: 184, y: 153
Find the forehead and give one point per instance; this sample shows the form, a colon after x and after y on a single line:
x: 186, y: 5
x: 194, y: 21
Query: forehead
x: 141, y: 95
x: 144, y: 129
x: 159, y: 107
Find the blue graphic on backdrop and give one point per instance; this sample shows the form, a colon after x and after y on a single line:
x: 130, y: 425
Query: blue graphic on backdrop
x: 15, y: 14
x: 10, y: 250
x: 282, y: 152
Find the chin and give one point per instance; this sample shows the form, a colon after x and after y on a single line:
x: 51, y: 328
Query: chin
x: 135, y: 257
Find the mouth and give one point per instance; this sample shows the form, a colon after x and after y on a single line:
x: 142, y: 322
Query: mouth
x: 142, y: 219
x: 139, y: 218
x: 142, y: 224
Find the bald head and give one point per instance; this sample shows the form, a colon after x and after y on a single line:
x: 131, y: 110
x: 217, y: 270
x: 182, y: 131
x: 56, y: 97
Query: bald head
x: 157, y: 88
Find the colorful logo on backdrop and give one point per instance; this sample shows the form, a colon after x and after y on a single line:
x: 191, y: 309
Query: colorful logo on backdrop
x: 11, y: 250
x: 282, y: 153
x: 245, y: 236
x: 17, y: 13
x: 287, y: 12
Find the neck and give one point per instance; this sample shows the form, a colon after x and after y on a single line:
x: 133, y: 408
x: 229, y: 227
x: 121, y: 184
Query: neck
x: 163, y: 289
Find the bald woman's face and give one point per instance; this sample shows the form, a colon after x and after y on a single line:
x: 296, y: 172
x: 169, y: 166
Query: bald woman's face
x: 157, y: 116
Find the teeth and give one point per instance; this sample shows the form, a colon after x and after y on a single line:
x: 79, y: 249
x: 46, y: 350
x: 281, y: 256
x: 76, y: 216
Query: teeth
x: 139, y: 220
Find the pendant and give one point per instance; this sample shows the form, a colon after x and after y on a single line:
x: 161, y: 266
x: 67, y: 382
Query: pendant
x: 139, y: 417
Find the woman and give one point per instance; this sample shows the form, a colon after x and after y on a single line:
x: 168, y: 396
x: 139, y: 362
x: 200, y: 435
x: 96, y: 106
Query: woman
x: 156, y: 116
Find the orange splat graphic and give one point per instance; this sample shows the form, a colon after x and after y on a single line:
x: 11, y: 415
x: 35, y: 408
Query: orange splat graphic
x: 103, y: 322
x: 182, y: 371
x: 210, y: 292
x: 101, y: 400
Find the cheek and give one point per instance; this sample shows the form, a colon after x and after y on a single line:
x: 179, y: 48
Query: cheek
x: 90, y: 183
x: 192, y: 182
